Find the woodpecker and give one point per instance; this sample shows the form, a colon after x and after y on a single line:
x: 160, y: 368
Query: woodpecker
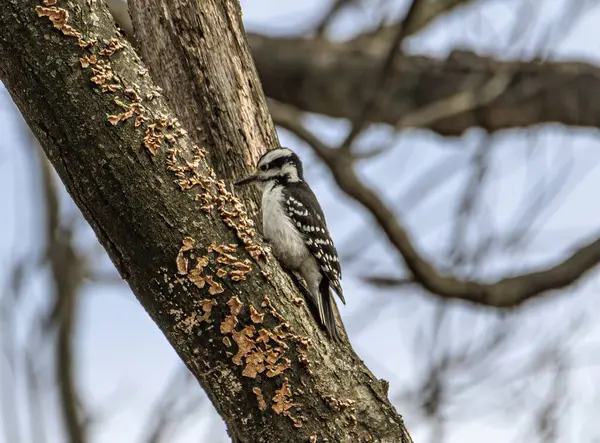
x: 295, y: 227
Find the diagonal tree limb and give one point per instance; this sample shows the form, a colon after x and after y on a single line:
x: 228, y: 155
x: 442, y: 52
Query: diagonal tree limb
x: 507, y: 292
x: 157, y: 207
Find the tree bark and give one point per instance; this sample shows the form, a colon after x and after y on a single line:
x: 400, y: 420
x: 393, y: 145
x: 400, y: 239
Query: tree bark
x: 173, y: 229
x: 183, y: 44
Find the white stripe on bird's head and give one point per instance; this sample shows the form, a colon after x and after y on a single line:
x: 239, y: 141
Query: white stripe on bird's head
x: 279, y: 164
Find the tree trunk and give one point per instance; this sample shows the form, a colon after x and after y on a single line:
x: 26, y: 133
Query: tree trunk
x: 174, y: 231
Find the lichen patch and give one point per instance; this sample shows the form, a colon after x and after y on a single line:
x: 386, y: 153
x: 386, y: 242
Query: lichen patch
x: 282, y: 402
x: 207, y: 306
x: 59, y: 18
x: 337, y: 404
x: 255, y: 316
x: 113, y: 45
x: 267, y: 304
x: 188, y: 323
x: 262, y: 404
x: 230, y: 322
x: 195, y: 274
x: 245, y: 344
x: 278, y: 369
x: 182, y: 261
x: 214, y: 287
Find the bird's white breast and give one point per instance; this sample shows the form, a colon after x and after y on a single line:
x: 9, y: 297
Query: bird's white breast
x: 286, y: 242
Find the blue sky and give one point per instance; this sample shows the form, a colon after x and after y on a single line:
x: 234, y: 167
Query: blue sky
x: 124, y: 360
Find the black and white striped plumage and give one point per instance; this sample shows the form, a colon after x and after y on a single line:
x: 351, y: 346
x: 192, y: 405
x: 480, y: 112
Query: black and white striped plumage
x: 295, y: 226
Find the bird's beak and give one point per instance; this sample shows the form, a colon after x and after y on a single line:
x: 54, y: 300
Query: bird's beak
x: 246, y: 180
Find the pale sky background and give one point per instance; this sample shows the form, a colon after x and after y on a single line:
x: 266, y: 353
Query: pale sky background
x: 125, y: 361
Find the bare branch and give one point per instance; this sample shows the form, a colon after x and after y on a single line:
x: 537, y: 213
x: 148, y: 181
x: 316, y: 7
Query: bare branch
x: 388, y: 282
x: 67, y: 276
x: 373, y: 103
x: 428, y: 12
x: 334, y: 9
x: 175, y: 405
x: 507, y: 292
x: 336, y: 79
x: 463, y: 101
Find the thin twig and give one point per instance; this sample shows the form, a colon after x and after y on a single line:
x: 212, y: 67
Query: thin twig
x: 374, y: 101
x: 336, y: 7
x: 67, y: 276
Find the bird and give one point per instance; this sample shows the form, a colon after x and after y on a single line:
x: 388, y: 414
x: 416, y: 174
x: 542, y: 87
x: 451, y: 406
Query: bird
x: 294, y: 226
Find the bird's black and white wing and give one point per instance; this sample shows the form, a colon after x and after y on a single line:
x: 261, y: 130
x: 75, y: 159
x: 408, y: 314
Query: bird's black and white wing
x: 303, y: 209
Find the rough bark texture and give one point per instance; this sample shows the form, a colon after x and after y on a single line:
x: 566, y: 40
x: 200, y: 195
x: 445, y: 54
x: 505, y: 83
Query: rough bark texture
x: 141, y: 184
x: 189, y: 51
x: 333, y: 79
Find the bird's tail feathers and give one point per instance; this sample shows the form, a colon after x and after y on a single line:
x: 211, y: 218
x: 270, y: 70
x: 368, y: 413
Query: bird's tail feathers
x: 326, y: 310
x: 338, y: 290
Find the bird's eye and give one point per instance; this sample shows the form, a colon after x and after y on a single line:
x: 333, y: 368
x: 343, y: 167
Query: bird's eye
x: 263, y: 167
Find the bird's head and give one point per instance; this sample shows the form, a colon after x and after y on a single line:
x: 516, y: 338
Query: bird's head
x: 280, y: 165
